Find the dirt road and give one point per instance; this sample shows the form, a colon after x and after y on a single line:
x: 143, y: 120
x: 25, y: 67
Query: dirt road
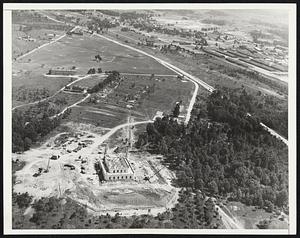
x: 51, y: 18
x: 42, y: 46
x: 60, y: 90
x: 98, y: 141
x: 73, y: 105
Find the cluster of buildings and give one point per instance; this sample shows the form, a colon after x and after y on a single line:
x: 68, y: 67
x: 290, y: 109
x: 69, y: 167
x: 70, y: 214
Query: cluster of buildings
x: 75, y: 89
x: 27, y: 38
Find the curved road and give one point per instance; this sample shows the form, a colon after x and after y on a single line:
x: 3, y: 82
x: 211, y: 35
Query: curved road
x: 189, y: 77
x: 60, y: 90
x: 73, y: 105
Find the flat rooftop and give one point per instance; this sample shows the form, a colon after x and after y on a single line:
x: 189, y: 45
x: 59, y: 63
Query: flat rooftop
x: 117, y: 163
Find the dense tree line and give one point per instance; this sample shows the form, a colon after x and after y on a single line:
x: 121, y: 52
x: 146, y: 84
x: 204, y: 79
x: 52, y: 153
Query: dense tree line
x: 219, y: 22
x: 30, y: 94
x: 30, y: 125
x: 191, y: 211
x: 112, y: 77
x: 132, y: 15
x: 109, y: 12
x: 223, y: 151
x: 100, y: 24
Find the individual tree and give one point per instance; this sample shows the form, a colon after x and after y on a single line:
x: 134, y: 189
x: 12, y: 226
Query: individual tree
x: 176, y: 110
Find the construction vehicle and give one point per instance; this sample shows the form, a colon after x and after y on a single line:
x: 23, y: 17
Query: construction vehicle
x: 54, y: 157
x: 38, y: 173
x: 72, y: 167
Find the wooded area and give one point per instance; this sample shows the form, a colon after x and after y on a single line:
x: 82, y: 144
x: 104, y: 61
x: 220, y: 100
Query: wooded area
x: 223, y: 151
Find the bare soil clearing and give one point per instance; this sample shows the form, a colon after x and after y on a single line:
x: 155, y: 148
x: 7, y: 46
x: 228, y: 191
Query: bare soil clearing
x: 132, y: 197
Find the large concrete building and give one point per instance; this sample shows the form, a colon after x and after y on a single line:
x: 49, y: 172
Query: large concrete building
x: 116, y: 168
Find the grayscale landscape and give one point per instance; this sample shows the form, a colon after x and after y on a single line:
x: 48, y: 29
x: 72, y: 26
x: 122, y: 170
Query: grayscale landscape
x: 166, y: 119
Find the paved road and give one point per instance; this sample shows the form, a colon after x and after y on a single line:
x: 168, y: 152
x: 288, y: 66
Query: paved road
x: 187, y: 75
x: 173, y: 68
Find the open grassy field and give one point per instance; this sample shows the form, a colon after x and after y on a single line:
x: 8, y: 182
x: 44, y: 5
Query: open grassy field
x: 90, y: 81
x: 133, y: 90
x: 52, y: 84
x: 250, y: 216
x: 212, y: 70
x: 55, y: 104
x: 78, y: 51
x: 22, y: 46
x: 98, y: 117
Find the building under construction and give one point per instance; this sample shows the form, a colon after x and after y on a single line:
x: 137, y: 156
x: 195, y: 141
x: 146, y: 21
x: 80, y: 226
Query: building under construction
x: 116, y: 166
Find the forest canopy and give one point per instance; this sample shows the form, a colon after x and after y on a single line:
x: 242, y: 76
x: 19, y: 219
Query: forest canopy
x: 223, y: 151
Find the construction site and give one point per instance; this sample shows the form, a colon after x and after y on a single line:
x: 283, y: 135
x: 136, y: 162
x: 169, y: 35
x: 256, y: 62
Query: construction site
x: 105, y: 177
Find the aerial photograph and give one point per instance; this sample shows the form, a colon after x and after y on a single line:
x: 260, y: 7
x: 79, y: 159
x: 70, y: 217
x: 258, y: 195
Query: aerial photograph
x: 150, y: 119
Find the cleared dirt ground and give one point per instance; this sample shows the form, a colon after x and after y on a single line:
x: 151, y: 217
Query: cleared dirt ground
x: 132, y: 197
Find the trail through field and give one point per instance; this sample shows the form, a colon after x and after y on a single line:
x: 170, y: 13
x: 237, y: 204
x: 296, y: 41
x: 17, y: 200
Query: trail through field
x: 60, y: 90
x: 189, y: 77
x: 51, y: 18
x: 158, y: 75
x: 103, y: 138
x: 73, y: 105
x: 42, y: 46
